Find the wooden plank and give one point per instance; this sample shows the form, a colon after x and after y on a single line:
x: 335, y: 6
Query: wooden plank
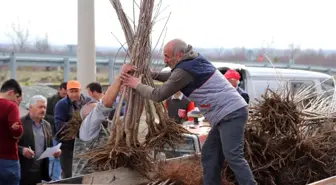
x: 120, y: 176
x: 328, y: 181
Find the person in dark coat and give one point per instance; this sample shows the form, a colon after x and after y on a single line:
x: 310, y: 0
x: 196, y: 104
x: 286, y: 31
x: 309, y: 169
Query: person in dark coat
x: 234, y: 78
x: 62, y: 92
x: 35, y: 140
x: 64, y: 109
x: 179, y: 102
x: 55, y: 165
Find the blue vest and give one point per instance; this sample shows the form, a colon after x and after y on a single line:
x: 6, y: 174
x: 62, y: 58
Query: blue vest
x: 211, y: 91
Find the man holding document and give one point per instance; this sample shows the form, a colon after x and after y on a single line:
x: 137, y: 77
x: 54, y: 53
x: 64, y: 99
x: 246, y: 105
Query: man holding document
x: 36, y: 139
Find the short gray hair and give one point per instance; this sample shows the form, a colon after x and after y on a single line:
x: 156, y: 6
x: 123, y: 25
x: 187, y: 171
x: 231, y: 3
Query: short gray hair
x: 33, y: 100
x: 179, y: 46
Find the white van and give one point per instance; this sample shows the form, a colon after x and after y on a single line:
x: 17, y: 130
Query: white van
x: 255, y: 80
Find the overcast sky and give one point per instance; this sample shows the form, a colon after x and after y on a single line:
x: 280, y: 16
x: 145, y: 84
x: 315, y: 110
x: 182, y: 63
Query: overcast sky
x: 216, y: 23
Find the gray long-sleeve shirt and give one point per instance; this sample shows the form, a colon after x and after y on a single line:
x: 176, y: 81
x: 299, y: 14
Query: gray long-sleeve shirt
x: 91, y: 125
x: 91, y: 136
x: 174, y: 82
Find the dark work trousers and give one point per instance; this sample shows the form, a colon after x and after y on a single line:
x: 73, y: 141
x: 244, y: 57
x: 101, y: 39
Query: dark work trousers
x: 32, y: 178
x: 66, y: 162
x: 226, y: 142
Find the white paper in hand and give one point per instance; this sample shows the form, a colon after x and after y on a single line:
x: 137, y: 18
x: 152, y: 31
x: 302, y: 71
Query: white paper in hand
x: 49, y: 152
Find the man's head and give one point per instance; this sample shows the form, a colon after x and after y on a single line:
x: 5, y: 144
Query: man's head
x: 173, y: 52
x: 95, y: 90
x: 37, y: 107
x: 74, y: 90
x: 12, y: 91
x: 233, y: 77
x: 62, y: 90
x: 86, y: 109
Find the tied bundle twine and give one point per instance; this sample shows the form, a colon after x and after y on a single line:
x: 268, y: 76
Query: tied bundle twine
x: 283, y: 144
x: 123, y: 147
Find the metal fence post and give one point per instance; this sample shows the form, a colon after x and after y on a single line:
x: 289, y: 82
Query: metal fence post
x: 13, y: 66
x: 66, y: 69
x: 111, y: 70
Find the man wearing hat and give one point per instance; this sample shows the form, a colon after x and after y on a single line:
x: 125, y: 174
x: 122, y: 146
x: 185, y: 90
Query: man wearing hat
x: 234, y: 78
x: 74, y: 101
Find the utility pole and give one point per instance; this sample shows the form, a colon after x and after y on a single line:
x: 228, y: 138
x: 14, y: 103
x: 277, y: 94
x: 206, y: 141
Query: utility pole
x: 86, y: 47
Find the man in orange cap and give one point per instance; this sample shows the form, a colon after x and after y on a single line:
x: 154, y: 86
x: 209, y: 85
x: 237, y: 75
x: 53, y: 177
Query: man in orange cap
x: 74, y: 101
x: 234, y: 77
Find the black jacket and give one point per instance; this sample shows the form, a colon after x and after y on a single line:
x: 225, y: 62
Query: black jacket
x: 27, y: 140
x: 244, y: 94
x: 50, y: 110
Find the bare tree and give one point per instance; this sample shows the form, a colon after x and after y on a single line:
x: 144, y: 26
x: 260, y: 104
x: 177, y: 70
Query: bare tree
x: 267, y: 47
x: 42, y: 44
x: 220, y: 52
x: 294, y: 52
x: 19, y: 36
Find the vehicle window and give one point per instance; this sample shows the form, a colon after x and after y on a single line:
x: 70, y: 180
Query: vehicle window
x: 328, y: 86
x: 260, y: 86
x: 299, y: 85
x: 242, y: 83
x: 186, y: 148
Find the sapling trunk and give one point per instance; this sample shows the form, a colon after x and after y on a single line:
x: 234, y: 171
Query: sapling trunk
x: 123, y: 147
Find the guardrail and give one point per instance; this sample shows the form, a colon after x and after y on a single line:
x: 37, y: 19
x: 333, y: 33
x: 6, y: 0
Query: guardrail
x: 36, y: 60
x: 114, y: 65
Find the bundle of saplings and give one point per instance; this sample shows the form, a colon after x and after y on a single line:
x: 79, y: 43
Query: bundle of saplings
x: 286, y: 142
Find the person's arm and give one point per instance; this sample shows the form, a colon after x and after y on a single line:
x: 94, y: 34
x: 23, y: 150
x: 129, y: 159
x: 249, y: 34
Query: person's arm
x: 91, y: 125
x: 178, y: 80
x: 112, y: 93
x: 166, y: 105
x: 49, y: 135
x: 191, y: 106
x: 160, y: 76
x: 14, y: 122
x: 20, y: 143
x: 246, y: 97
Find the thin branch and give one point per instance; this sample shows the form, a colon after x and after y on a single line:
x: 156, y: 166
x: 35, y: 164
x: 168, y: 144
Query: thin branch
x: 163, y: 18
x: 164, y: 9
x: 162, y: 32
x: 134, y: 28
x: 126, y: 26
x: 132, y: 20
x: 157, y: 59
x: 116, y: 56
x: 136, y: 4
x: 122, y: 45
x: 157, y: 9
